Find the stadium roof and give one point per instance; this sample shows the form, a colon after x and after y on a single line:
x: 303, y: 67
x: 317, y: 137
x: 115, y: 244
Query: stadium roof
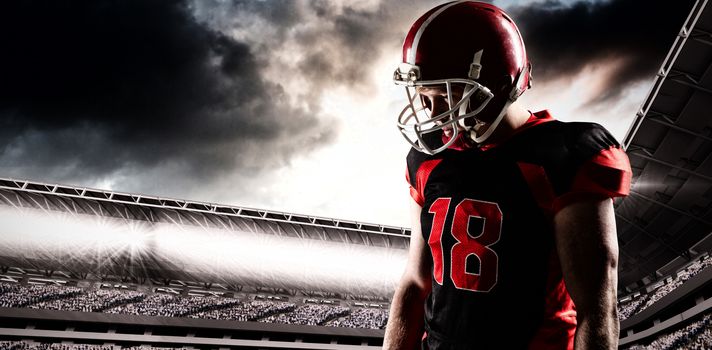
x: 667, y: 219
x: 111, y: 203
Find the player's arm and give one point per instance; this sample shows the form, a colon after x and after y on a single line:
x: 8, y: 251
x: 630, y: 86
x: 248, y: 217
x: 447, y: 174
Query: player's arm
x: 405, y: 322
x: 588, y: 249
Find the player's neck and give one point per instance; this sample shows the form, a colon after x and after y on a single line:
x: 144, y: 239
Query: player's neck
x: 513, y: 119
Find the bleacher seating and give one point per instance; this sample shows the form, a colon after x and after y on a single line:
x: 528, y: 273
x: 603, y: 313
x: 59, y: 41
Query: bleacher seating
x: 27, y: 295
x: 23, y: 345
x: 94, y: 301
x: 248, y: 311
x: 55, y: 296
x: 362, y: 318
x: 641, y: 303
x: 695, y: 336
x: 119, y: 301
x: 308, y: 315
x: 172, y: 305
x: 631, y: 307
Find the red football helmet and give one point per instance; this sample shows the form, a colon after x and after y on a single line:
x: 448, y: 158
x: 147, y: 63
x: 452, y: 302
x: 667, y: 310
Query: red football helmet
x: 470, y: 46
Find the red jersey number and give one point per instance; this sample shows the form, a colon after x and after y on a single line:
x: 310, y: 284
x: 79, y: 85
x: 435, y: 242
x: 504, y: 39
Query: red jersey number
x: 475, y: 244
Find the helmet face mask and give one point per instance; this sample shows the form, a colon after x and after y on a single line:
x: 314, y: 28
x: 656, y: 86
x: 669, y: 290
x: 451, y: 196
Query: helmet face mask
x: 416, y: 121
x: 468, y: 46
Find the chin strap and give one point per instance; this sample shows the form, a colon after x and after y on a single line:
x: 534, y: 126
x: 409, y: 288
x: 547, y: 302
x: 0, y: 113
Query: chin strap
x: 513, y: 95
x: 482, y: 138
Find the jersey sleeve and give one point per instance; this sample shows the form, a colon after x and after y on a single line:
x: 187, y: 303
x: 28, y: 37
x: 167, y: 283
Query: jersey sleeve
x: 413, y: 191
x: 600, y: 167
x: 419, y: 167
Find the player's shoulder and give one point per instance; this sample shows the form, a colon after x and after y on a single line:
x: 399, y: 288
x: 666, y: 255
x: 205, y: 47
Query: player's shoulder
x: 576, y: 133
x: 561, y: 140
x: 587, y: 137
x: 415, y: 159
x: 570, y: 133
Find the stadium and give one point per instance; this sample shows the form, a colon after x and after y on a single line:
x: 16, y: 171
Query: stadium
x: 84, y: 268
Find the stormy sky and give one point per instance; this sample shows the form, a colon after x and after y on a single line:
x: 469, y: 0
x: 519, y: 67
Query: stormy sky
x: 286, y: 105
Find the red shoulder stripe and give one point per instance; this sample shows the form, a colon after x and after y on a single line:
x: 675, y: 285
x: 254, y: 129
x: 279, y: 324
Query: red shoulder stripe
x: 421, y: 178
x: 607, y: 174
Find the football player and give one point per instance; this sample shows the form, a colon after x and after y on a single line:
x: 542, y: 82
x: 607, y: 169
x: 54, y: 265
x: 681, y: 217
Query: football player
x: 513, y: 242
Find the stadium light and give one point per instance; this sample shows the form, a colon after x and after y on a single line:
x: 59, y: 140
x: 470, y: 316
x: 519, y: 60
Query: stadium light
x: 276, y: 261
x: 88, y: 243
x: 64, y: 240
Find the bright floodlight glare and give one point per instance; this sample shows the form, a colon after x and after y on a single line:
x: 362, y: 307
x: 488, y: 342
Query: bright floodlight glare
x: 277, y: 261
x: 66, y: 240
x: 78, y: 242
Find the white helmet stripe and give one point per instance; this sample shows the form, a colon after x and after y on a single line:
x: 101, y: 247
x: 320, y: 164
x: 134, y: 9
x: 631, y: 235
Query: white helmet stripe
x: 414, y: 48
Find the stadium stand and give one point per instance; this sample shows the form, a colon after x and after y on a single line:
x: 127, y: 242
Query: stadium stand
x: 682, y: 276
x: 172, y: 305
x: 362, y: 318
x: 93, y: 301
x: 247, y: 311
x: 309, y: 315
x: 26, y: 295
x: 642, y: 302
x: 65, y: 295
x: 116, y: 301
x: 23, y: 345
x: 695, y: 336
x: 630, y: 307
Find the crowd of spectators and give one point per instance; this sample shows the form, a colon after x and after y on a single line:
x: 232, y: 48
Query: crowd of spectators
x: 309, y: 314
x: 67, y: 298
x: 247, y: 311
x: 118, y: 301
x: 26, y: 295
x: 23, y: 345
x: 625, y: 311
x: 93, y: 301
x: 703, y: 340
x: 6, y: 288
x: 173, y: 305
x: 695, y: 336
x: 362, y: 318
x: 630, y: 307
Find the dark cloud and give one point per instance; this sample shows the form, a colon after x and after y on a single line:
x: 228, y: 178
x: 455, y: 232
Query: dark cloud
x: 336, y: 42
x: 347, y: 54
x: 92, y: 88
x: 563, y: 38
x: 192, y: 91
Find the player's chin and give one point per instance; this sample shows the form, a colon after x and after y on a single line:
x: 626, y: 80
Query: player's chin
x: 461, y: 142
x: 448, y: 130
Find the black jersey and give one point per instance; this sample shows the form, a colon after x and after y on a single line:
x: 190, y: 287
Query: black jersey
x: 487, y: 218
